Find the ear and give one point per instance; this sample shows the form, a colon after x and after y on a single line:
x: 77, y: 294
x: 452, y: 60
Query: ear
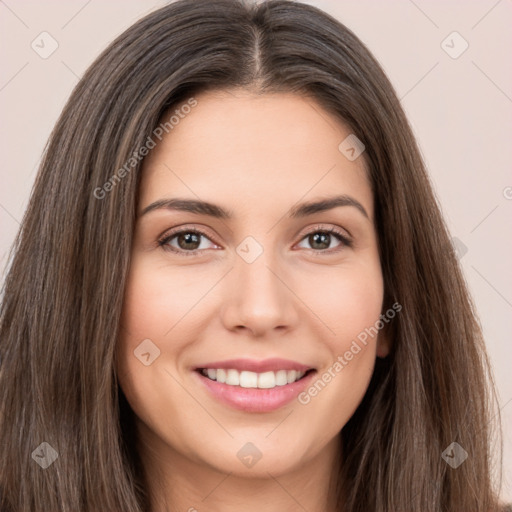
x: 387, y: 334
x: 384, y: 343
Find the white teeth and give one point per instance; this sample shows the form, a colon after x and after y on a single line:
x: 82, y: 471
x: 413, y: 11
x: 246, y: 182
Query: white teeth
x: 267, y: 380
x: 233, y: 378
x: 248, y: 379
x: 221, y: 376
x: 281, y: 379
x: 245, y: 379
x: 291, y: 376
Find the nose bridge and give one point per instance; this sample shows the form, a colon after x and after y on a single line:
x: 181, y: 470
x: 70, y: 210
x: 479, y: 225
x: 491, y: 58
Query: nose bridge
x: 258, y: 278
x: 259, y: 299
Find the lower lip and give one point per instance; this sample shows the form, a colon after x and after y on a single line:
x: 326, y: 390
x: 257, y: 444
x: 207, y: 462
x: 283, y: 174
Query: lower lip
x: 255, y: 399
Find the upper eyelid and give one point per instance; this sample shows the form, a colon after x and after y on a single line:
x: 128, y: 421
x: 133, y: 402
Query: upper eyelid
x: 320, y: 227
x: 171, y: 233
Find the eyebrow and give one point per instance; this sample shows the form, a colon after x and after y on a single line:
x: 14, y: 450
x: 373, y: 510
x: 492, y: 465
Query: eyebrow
x: 213, y: 210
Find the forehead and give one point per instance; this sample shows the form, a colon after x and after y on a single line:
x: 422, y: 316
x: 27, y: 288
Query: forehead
x: 249, y: 150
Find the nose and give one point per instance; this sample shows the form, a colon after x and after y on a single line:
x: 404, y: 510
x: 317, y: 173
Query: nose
x: 259, y: 298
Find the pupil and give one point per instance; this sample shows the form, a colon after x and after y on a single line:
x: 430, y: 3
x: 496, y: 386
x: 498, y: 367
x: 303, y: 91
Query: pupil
x: 321, y: 238
x: 189, y: 238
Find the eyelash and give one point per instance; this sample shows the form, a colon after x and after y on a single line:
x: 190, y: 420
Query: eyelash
x: 167, y: 237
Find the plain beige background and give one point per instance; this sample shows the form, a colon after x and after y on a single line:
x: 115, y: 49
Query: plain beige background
x: 458, y: 100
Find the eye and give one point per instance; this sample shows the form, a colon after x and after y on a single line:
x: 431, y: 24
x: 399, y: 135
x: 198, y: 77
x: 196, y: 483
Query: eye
x: 188, y: 241
x: 320, y: 239
x: 185, y: 241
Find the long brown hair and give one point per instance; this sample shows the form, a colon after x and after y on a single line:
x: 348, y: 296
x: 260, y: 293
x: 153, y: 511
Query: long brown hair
x: 63, y: 294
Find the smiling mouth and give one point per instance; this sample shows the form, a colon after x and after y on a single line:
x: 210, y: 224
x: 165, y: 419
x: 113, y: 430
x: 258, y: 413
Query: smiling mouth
x: 248, y: 379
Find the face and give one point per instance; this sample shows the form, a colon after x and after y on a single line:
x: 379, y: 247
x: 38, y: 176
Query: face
x: 272, y: 297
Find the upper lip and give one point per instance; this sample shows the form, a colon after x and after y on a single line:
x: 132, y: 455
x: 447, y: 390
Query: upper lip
x: 253, y: 365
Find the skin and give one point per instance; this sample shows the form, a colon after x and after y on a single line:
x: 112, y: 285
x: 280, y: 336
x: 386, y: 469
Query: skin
x: 257, y: 156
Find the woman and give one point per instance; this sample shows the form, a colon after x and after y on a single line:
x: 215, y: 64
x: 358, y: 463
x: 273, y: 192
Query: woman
x: 141, y: 373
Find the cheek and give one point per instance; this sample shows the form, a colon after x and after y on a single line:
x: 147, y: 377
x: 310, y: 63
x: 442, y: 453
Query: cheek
x: 347, y: 300
x: 350, y: 303
x: 336, y: 392
x: 149, y: 311
x: 157, y: 298
x: 359, y: 307
x: 157, y: 318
